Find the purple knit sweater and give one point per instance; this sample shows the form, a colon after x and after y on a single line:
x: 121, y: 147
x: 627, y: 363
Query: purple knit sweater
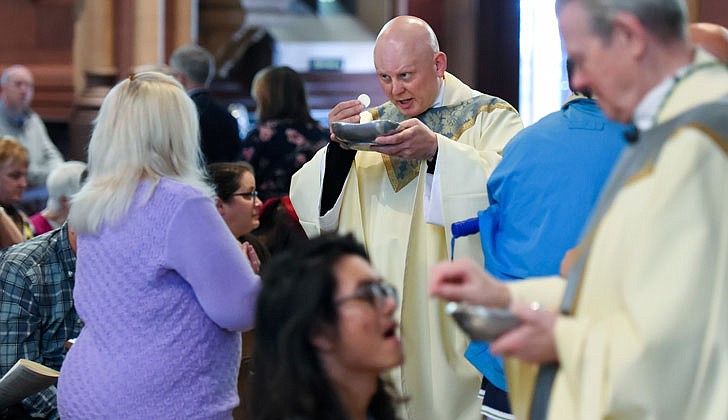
x: 161, y: 294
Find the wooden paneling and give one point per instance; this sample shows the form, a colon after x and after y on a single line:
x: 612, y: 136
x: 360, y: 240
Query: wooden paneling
x: 432, y: 11
x: 39, y: 34
x: 715, y: 11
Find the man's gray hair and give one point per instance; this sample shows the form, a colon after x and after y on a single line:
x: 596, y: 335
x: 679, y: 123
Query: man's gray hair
x: 5, y: 77
x: 665, y: 19
x: 194, y: 62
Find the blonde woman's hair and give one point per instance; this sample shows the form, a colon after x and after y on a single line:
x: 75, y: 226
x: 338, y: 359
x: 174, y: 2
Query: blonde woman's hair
x: 146, y: 129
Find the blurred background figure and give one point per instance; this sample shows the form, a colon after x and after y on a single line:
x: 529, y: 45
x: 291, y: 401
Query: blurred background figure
x: 13, y: 182
x: 63, y: 182
x: 19, y: 121
x: 711, y: 37
x: 162, y: 286
x: 286, y: 135
x: 325, y: 332
x: 194, y: 67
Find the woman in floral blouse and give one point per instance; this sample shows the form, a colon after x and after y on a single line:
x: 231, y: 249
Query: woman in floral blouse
x: 286, y: 136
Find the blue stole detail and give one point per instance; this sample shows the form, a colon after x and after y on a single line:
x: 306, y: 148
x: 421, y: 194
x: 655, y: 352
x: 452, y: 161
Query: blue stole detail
x: 450, y: 121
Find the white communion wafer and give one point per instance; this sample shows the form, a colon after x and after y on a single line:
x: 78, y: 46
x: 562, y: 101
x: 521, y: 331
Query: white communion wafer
x: 365, y: 117
x: 364, y: 99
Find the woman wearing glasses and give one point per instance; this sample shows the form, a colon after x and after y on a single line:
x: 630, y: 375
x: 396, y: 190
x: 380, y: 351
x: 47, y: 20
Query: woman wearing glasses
x: 325, y: 331
x: 236, y: 199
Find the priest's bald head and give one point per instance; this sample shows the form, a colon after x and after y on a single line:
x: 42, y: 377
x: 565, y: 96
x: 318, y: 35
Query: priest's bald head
x: 409, y: 64
x: 711, y: 37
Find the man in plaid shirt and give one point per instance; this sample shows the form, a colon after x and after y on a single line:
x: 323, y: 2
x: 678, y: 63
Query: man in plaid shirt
x: 36, y: 310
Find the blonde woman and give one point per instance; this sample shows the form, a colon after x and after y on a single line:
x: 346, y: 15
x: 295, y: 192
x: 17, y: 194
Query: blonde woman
x: 162, y: 286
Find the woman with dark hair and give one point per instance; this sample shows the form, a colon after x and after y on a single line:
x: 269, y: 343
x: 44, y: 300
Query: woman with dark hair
x: 236, y: 199
x: 286, y: 136
x: 324, y: 333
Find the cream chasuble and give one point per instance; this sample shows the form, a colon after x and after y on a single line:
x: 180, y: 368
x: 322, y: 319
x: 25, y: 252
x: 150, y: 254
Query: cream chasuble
x: 438, y: 381
x: 648, y: 336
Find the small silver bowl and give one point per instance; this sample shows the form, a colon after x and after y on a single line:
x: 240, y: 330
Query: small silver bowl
x: 354, y: 134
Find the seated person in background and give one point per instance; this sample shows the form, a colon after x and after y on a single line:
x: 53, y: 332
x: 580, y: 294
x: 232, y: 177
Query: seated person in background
x: 36, y: 310
x: 325, y: 332
x: 13, y: 182
x: 710, y: 37
x: 286, y: 136
x: 162, y: 286
x: 64, y: 181
x: 22, y: 123
x: 540, y: 196
x: 194, y: 67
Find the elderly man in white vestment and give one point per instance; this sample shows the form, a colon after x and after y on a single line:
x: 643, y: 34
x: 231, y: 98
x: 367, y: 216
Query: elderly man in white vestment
x: 401, y: 198
x: 646, y: 334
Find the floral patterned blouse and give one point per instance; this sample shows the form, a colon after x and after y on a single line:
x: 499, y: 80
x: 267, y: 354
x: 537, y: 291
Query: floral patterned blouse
x: 277, y: 149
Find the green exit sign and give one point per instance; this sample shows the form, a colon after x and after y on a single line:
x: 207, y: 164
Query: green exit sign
x: 325, y: 64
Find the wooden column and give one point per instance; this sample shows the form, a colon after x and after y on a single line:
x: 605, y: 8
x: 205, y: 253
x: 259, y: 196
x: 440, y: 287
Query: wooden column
x: 123, y: 18
x: 497, y: 48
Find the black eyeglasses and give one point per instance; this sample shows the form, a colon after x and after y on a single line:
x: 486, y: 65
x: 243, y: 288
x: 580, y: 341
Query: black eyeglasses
x: 251, y: 195
x: 374, y: 293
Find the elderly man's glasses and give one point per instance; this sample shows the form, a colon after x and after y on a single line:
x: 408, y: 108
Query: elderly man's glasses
x: 374, y: 293
x: 250, y: 195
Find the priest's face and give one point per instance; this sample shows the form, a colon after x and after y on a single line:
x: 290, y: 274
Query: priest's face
x: 409, y: 74
x: 606, y: 66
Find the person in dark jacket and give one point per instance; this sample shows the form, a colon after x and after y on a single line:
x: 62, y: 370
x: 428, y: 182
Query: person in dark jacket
x: 194, y: 67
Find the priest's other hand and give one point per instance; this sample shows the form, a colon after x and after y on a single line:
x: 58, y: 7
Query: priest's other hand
x: 532, y: 341
x: 414, y: 141
x: 464, y: 281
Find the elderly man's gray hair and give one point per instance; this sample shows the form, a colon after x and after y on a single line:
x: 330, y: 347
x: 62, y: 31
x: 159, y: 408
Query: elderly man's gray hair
x: 665, y: 19
x: 194, y: 62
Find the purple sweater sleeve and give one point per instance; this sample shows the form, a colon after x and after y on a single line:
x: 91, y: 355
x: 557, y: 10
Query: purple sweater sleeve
x: 201, y: 248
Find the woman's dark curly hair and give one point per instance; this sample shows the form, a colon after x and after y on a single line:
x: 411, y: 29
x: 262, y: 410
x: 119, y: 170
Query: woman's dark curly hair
x: 296, y: 300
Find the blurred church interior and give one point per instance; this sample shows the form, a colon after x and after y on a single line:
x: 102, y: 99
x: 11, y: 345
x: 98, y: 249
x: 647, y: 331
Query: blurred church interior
x: 78, y: 49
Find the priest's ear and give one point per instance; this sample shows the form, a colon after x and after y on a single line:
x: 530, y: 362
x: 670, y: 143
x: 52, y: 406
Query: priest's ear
x: 440, y: 63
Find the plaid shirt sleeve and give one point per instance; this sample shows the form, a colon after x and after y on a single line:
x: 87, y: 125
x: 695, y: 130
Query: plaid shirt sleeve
x: 22, y: 335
